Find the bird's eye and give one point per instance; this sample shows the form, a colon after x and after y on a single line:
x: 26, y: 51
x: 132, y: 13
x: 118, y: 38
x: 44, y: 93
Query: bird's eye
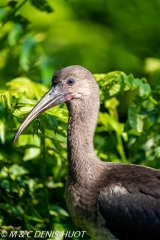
x: 70, y: 81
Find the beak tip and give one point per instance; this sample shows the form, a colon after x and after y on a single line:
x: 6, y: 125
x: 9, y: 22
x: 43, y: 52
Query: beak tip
x: 15, y: 139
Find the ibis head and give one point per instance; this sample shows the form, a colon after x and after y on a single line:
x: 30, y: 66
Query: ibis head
x: 67, y: 84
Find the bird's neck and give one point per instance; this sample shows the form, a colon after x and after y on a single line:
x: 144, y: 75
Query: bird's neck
x: 82, y: 122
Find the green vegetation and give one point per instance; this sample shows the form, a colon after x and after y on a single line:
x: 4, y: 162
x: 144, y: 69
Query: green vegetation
x: 38, y: 37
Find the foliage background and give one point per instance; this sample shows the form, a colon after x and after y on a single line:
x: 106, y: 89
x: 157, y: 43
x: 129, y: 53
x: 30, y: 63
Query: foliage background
x: 38, y: 37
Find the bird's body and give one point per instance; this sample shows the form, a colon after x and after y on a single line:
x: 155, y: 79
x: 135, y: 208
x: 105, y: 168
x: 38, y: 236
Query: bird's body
x: 119, y: 207
x: 108, y: 200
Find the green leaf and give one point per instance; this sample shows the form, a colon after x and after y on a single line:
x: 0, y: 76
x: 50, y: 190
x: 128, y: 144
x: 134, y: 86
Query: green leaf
x: 60, y: 113
x: 5, y: 98
x: 25, y: 101
x: 42, y: 5
x: 31, y: 153
x: 16, y: 18
x: 144, y: 90
x: 53, y: 121
x: 110, y: 123
x: 23, y: 87
x: 114, y: 83
x: 135, y: 119
x: 43, y: 122
x: 12, y: 3
x: 111, y: 83
x: 17, y: 170
x: 54, y: 209
x: 22, y: 111
x: 33, y: 218
x: 27, y: 52
x: 10, y: 209
x: 2, y: 131
x: 14, y: 34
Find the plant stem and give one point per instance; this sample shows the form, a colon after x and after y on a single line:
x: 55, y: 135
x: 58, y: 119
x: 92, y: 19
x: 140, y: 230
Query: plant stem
x: 16, y: 9
x: 121, y: 149
x: 113, y: 112
x: 43, y: 172
x: 153, y: 100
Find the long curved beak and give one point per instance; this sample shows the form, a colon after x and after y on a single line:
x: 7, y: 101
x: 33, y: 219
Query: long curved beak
x: 53, y: 97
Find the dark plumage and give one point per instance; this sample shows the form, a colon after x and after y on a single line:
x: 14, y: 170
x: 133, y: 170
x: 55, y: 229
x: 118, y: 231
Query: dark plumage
x: 108, y: 200
x: 130, y: 203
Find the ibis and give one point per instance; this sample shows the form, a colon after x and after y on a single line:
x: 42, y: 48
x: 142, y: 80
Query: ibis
x: 108, y: 200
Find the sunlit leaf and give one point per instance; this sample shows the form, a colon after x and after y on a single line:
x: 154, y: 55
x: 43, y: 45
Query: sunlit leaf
x: 144, y: 90
x: 110, y: 123
x: 25, y: 101
x: 31, y: 153
x: 2, y: 132
x: 22, y: 111
x: 24, y: 87
x: 17, y: 170
x: 115, y: 83
x: 60, y: 113
x: 111, y: 83
x: 5, y: 98
x: 33, y: 218
x: 56, y: 209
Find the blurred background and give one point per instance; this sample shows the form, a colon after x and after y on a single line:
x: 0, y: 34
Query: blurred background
x: 100, y: 35
x: 38, y: 37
